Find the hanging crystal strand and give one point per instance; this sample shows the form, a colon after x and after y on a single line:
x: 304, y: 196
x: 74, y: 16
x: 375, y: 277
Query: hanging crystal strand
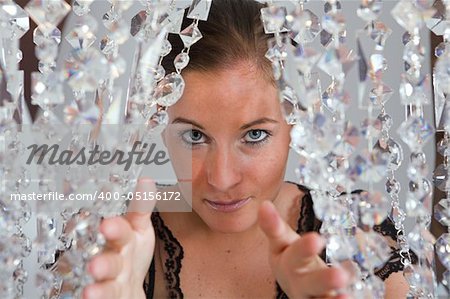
x: 415, y: 132
x: 441, y: 174
x: 150, y: 28
x: 15, y: 246
x: 170, y: 88
x: 377, y: 129
x: 46, y: 93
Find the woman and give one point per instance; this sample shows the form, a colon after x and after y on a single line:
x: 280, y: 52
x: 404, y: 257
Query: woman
x: 243, y: 237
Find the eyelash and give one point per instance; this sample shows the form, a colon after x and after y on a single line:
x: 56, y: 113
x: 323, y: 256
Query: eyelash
x: 250, y: 143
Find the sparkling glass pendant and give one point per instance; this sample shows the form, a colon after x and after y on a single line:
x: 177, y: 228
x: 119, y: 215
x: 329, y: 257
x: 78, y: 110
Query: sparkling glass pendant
x: 274, y: 19
x: 304, y: 25
x: 199, y: 9
x: 169, y: 90
x: 415, y: 132
x: 190, y: 35
x: 47, y: 13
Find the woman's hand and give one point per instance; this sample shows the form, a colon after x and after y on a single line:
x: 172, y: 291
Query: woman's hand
x: 119, y: 271
x: 295, y: 260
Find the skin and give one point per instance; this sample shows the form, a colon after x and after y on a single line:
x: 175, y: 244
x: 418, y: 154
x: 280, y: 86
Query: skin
x: 250, y: 248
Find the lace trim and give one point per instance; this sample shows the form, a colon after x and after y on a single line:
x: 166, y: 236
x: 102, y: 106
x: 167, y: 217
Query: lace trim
x: 307, y: 222
x: 175, y: 254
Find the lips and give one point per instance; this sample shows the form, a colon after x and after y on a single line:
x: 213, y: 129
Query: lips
x: 229, y: 206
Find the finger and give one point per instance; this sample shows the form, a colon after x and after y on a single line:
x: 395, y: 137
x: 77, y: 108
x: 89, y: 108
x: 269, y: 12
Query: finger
x: 139, y: 211
x: 323, y: 281
x: 280, y: 234
x: 105, y: 266
x: 117, y: 232
x: 305, y: 251
x: 100, y: 290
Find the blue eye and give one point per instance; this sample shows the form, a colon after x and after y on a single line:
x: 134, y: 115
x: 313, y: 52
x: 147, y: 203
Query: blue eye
x: 256, y: 136
x: 193, y: 137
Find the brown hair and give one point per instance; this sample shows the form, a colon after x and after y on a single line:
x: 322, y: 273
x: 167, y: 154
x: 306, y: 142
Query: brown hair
x: 233, y: 31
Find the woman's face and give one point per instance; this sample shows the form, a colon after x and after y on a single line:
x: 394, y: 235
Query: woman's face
x: 230, y: 121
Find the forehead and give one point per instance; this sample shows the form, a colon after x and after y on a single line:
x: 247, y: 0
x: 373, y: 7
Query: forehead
x: 240, y: 93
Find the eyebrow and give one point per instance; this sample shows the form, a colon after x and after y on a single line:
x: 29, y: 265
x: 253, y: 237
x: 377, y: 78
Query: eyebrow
x: 250, y: 124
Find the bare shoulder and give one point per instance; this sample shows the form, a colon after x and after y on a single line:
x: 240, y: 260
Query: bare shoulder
x: 289, y: 203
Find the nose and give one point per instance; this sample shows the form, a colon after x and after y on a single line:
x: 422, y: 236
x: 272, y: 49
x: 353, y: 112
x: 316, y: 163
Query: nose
x: 223, y: 169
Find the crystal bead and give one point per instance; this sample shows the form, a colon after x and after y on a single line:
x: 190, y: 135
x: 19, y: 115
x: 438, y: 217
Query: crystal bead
x: 81, y: 7
x: 86, y: 69
x: 334, y: 23
x: 441, y: 178
x: 386, y: 121
x: 199, y: 9
x: 47, y: 51
x: 123, y: 5
x: 419, y: 191
x: 380, y: 94
x: 373, y: 250
x: 40, y: 37
x: 166, y: 48
x: 446, y: 278
x: 316, y: 138
x: 305, y: 58
x: 111, y: 20
x: 438, y: 25
x: 158, y: 73
x: 421, y: 240
x: 340, y: 248
x: 273, y: 18
x: 304, y: 25
x: 117, y: 67
x: 442, y: 73
x: 377, y: 65
x: 181, y: 61
x: 442, y: 211
x: 443, y: 147
x: 443, y: 249
x: 371, y: 128
x: 332, y: 6
x: 326, y: 38
x: 398, y: 216
x: 415, y: 132
x: 335, y: 99
x: 158, y: 121
x: 289, y: 104
x: 424, y: 4
x: 369, y: 10
x: 16, y: 20
x: 47, y: 67
x: 370, y: 166
x: 414, y: 54
x: 138, y: 23
x: 440, y: 49
x: 82, y: 35
x: 393, y: 150
x: 190, y: 35
x: 175, y: 20
x: 407, y: 15
x: 47, y: 89
x: 47, y: 14
x: 373, y: 207
x: 108, y: 45
x: 379, y: 33
x: 392, y: 186
x: 348, y: 140
x: 277, y: 50
x: 169, y: 90
x: 337, y: 62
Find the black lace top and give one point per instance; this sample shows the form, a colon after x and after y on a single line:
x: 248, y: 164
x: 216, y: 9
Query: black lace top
x: 307, y: 222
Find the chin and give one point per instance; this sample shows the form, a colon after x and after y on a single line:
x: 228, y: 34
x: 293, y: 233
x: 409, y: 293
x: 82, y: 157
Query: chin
x: 229, y: 223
